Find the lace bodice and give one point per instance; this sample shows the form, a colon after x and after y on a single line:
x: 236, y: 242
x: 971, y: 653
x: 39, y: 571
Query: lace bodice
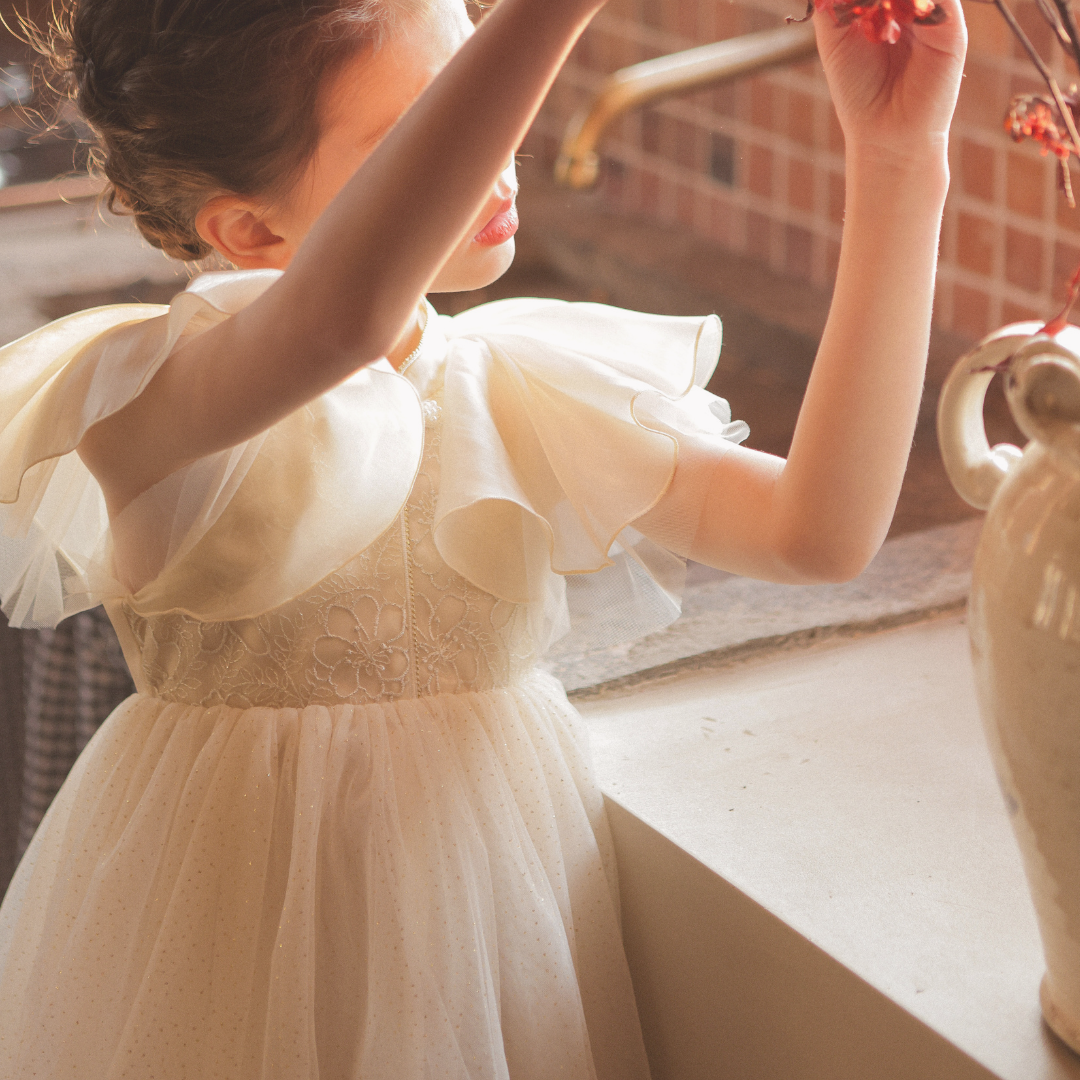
x: 395, y: 621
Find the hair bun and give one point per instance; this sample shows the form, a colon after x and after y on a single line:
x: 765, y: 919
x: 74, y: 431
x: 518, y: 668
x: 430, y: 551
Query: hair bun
x: 187, y: 114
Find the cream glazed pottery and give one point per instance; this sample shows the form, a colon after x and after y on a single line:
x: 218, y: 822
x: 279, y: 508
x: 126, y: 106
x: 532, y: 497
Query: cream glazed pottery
x: 1024, y: 618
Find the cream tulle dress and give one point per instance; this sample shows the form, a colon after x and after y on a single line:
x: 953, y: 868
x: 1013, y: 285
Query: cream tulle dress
x: 346, y: 828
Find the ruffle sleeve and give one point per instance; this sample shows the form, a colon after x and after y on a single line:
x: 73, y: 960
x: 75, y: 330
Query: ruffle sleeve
x: 56, y: 542
x: 563, y: 427
x: 52, y: 514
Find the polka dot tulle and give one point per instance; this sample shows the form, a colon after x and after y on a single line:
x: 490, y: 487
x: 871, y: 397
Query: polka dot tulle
x: 415, y: 889
x: 353, y: 838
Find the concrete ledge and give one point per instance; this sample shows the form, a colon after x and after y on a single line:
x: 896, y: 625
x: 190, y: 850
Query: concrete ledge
x: 818, y: 874
x: 726, y: 989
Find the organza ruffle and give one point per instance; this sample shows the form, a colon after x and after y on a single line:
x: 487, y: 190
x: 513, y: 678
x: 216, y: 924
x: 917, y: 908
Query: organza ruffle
x: 58, y: 553
x: 563, y: 425
x: 561, y: 422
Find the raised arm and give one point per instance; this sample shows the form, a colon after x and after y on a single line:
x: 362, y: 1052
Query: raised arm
x: 354, y: 283
x: 823, y: 514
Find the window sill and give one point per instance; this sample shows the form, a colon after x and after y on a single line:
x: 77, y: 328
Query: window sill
x: 819, y: 877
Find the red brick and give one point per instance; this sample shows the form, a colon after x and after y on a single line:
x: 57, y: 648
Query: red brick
x: 610, y: 50
x: 1037, y: 29
x: 667, y: 208
x: 627, y: 129
x: 686, y: 21
x: 1011, y: 313
x: 727, y: 20
x: 800, y: 184
x: 1023, y: 259
x: 649, y: 192
x: 613, y: 180
x: 1024, y: 177
x: 724, y: 100
x: 836, y: 133
x: 1066, y: 261
x: 836, y: 198
x: 652, y: 13
x: 977, y: 170
x: 625, y: 51
x: 975, y: 243
x: 686, y: 142
x: 758, y: 236
x: 755, y: 19
x: 762, y: 105
x: 983, y: 94
x: 685, y: 206
x: 947, y: 242
x: 759, y: 168
x: 832, y: 259
x: 725, y: 222
x: 1026, y: 84
x: 800, y: 121
x: 988, y: 34
x: 808, y: 68
x: 971, y: 311
x: 1068, y: 217
x: 942, y: 292
x: 798, y: 256
x: 651, y: 131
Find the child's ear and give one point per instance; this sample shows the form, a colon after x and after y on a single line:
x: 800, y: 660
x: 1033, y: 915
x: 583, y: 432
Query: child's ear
x: 238, y: 232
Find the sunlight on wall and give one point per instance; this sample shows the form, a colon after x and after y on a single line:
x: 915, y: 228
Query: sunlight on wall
x: 758, y: 166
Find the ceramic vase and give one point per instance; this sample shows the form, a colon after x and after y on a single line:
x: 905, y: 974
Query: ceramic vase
x: 1024, y: 618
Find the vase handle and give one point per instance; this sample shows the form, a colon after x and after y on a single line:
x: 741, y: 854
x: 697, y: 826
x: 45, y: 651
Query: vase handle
x: 1043, y: 391
x: 975, y: 469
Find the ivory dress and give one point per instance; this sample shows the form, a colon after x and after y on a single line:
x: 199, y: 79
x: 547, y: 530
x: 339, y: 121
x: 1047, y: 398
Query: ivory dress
x: 346, y: 828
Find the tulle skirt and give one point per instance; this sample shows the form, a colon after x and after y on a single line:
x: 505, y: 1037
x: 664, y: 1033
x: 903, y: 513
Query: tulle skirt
x: 418, y: 889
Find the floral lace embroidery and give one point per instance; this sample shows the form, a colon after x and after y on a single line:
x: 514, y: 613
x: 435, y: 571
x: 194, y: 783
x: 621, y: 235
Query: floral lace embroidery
x: 395, y: 621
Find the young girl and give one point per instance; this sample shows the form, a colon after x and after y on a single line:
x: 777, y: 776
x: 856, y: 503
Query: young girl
x: 346, y: 829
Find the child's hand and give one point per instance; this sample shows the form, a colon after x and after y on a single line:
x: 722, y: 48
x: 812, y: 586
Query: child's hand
x: 895, y: 100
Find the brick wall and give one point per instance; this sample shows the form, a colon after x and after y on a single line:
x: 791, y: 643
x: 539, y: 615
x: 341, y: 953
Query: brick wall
x: 757, y: 166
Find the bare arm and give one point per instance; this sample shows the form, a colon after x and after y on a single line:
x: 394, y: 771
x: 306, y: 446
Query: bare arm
x: 823, y: 513
x: 355, y: 281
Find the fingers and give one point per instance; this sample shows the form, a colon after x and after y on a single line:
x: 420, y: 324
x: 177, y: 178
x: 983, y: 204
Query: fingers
x: 950, y: 33
x: 880, y: 24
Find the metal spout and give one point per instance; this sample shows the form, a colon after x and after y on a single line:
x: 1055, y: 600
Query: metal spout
x: 578, y: 164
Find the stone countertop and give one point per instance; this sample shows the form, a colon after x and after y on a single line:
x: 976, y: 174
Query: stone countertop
x: 819, y: 876
x: 727, y: 619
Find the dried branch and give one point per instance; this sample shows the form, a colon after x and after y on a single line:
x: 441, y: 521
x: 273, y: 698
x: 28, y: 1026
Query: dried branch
x: 1069, y: 19
x: 1048, y: 77
x: 1052, y: 16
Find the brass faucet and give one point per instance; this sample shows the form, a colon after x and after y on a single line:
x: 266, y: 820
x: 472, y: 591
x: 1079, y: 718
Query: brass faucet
x: 578, y: 164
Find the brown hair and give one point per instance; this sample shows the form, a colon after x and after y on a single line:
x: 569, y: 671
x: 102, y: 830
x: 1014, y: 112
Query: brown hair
x: 192, y: 98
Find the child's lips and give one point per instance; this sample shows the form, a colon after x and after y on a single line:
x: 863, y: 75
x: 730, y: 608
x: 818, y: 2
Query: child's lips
x: 500, y: 228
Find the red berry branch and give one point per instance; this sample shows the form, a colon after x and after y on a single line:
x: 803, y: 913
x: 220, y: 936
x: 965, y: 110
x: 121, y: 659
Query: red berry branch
x: 1032, y: 116
x: 879, y: 20
x: 1051, y: 122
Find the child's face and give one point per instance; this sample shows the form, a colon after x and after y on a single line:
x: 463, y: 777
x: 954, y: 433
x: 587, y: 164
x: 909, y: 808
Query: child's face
x: 361, y: 105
